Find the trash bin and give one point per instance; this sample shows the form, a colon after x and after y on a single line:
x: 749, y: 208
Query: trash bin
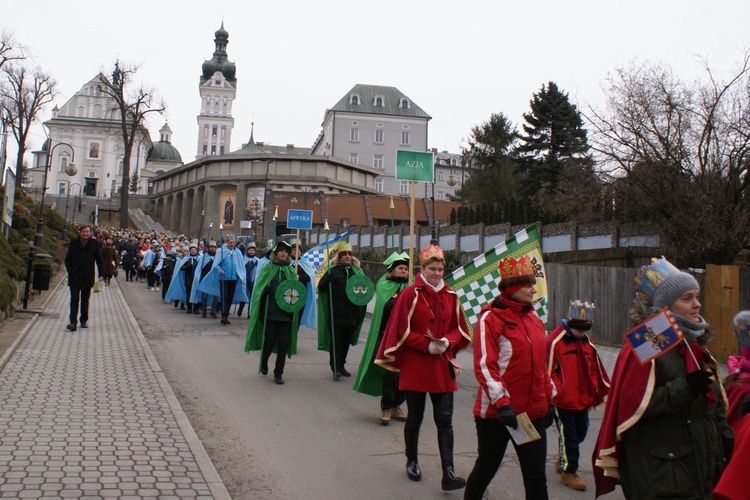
x: 42, y: 273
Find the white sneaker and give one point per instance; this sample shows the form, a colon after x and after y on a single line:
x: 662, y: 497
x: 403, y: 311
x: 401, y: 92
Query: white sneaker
x: 156, y: 289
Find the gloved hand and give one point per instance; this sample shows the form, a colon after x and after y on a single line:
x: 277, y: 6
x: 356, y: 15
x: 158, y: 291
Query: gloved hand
x: 442, y: 345
x: 698, y: 382
x: 507, y: 417
x: 550, y: 418
x: 435, y: 347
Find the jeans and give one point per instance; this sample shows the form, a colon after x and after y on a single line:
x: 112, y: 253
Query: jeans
x: 79, y: 296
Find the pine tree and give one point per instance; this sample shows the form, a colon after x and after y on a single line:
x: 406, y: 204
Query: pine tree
x: 552, y: 136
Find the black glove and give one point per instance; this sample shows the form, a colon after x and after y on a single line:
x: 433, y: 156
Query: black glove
x: 698, y: 382
x: 506, y: 416
x: 550, y: 418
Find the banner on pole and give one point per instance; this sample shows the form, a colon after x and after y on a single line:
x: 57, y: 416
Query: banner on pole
x: 414, y: 166
x: 476, y: 283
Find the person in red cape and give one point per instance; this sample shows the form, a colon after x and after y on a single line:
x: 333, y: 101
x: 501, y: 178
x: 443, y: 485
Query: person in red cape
x: 733, y: 484
x: 737, y: 383
x: 664, y: 433
x: 426, y: 330
x: 582, y: 383
x: 510, y: 364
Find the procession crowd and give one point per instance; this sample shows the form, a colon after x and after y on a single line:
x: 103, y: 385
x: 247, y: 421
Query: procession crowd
x: 671, y: 427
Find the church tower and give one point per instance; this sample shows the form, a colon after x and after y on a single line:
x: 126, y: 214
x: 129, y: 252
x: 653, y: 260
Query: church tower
x: 218, y: 88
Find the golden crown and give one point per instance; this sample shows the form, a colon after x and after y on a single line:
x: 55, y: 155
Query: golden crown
x: 343, y: 246
x: 431, y: 252
x: 512, y: 268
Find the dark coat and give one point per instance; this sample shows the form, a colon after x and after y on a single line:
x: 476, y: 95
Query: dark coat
x: 79, y: 262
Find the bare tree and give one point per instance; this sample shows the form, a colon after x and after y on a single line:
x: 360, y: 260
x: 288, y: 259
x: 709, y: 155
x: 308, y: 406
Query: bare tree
x: 131, y: 108
x: 677, y: 155
x: 10, y: 50
x: 23, y: 94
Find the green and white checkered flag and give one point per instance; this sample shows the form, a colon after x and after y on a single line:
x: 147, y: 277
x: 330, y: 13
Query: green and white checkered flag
x: 476, y: 283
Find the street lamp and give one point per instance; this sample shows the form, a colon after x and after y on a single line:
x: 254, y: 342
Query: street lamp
x: 39, y: 236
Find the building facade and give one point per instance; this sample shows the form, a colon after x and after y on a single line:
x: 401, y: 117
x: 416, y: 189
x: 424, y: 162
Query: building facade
x: 86, y: 132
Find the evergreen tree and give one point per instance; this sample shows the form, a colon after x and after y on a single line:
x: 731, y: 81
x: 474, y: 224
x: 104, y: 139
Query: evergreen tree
x: 553, y: 135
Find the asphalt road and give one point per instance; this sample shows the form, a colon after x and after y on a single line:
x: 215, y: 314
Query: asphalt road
x: 312, y: 437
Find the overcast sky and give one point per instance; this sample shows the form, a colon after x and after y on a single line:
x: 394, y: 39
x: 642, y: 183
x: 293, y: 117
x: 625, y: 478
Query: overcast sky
x: 460, y: 61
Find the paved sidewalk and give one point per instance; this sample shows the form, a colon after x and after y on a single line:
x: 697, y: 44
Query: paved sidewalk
x: 89, y: 414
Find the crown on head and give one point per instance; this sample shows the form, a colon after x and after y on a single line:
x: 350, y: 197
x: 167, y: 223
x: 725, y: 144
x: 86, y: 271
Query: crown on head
x: 652, y: 275
x: 583, y: 311
x: 431, y: 252
x: 512, y: 268
x: 343, y: 246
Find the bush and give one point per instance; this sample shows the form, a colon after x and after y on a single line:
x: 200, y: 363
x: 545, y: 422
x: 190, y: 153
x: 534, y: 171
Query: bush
x: 371, y: 255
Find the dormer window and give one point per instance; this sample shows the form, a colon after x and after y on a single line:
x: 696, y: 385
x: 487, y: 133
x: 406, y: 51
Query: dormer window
x: 355, y: 100
x: 379, y: 102
x: 404, y: 103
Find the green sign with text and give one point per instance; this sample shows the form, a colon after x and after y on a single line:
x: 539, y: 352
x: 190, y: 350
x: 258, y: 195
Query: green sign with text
x: 414, y: 166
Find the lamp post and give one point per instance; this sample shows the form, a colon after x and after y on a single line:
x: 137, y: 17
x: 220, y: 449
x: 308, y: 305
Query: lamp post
x: 435, y: 228
x: 39, y: 236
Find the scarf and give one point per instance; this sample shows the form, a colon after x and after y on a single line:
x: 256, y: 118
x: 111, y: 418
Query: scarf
x: 692, y: 331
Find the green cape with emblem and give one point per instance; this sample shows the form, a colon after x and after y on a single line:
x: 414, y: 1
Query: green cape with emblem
x: 256, y: 324
x: 369, y: 378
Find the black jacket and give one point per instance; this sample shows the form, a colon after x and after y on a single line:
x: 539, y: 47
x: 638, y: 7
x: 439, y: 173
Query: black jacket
x: 79, y: 262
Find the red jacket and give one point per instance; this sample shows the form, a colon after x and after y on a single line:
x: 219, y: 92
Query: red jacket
x: 510, y: 361
x: 580, y: 383
x: 420, y: 308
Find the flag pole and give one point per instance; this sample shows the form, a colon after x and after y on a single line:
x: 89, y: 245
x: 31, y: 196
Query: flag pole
x: 330, y: 303
x: 411, y: 233
x: 275, y: 216
x: 221, y: 257
x: 200, y: 230
x: 393, y: 244
x: 296, y: 260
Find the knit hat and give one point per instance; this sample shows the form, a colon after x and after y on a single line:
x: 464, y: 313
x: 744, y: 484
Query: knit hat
x: 661, y: 283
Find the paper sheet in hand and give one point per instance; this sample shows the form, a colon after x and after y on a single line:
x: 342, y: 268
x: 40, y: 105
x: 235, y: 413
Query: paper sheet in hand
x: 526, y: 432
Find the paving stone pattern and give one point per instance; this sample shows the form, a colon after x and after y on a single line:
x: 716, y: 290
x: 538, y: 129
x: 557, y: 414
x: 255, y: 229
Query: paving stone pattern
x: 85, y: 414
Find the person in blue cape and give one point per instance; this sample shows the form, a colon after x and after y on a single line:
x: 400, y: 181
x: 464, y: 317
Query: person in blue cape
x: 205, y: 262
x: 373, y: 379
x: 182, y: 279
x: 271, y: 328
x: 227, y: 278
x: 310, y: 312
x: 251, y: 263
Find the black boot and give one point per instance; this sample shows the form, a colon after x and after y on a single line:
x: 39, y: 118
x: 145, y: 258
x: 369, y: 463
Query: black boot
x: 240, y: 308
x: 413, y: 471
x: 451, y: 481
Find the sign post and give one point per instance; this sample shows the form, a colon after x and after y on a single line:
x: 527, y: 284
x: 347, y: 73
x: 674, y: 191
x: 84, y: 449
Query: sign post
x: 299, y: 219
x: 414, y: 166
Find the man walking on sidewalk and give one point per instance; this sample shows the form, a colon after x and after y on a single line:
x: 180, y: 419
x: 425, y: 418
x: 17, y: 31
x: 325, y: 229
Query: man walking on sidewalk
x: 83, y: 252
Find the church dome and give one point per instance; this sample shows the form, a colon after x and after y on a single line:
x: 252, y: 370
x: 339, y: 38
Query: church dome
x: 164, y: 151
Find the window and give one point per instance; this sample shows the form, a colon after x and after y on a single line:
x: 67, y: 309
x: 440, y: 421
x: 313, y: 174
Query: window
x: 379, y: 185
x: 404, y: 104
x: 63, y: 164
x: 353, y: 157
x: 213, y: 150
x: 440, y: 175
x: 377, y: 161
x: 403, y: 187
x: 354, y: 135
x: 205, y: 131
x: 61, y: 188
x: 205, y: 149
x: 120, y: 167
x: 379, y: 102
x: 453, y: 162
x: 379, y: 135
x: 405, y: 138
x: 440, y: 195
x: 221, y: 151
x: 213, y: 131
x: 355, y: 100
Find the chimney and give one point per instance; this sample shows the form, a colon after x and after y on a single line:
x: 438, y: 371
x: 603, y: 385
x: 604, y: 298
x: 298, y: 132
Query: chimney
x: 434, y: 150
x: 259, y: 144
x: 289, y: 146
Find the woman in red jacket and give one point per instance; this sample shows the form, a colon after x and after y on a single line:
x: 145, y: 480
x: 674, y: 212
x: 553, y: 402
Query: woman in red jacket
x: 424, y: 333
x: 511, y: 367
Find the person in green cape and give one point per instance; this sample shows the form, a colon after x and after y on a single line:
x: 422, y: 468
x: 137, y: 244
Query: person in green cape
x: 372, y: 379
x: 269, y: 326
x: 338, y: 318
